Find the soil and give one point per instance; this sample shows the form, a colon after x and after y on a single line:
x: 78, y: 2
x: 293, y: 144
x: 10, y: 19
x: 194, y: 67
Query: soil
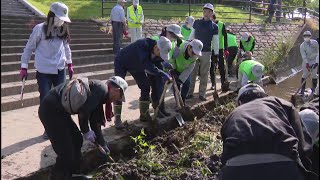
x: 189, y: 152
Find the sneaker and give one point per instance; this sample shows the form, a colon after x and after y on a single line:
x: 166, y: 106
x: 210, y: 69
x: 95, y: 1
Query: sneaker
x: 189, y: 96
x: 45, y: 136
x: 202, y: 98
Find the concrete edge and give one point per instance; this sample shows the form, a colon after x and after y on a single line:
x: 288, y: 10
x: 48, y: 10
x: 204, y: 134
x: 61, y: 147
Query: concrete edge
x: 32, y: 8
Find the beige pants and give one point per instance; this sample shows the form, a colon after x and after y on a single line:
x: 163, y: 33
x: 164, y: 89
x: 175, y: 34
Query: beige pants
x: 305, y: 71
x: 204, y: 63
x: 135, y: 34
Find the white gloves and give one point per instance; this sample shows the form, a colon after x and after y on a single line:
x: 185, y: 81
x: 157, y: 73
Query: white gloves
x: 90, y: 136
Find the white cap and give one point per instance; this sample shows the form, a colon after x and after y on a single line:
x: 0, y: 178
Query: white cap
x: 310, y: 120
x: 208, y: 6
x: 248, y: 87
x: 121, y: 1
x: 190, y: 20
x: 164, y: 44
x: 245, y: 36
x: 121, y: 83
x: 307, y: 33
x: 197, y: 46
x: 175, y: 29
x: 135, y: 2
x: 257, y: 70
x: 60, y: 10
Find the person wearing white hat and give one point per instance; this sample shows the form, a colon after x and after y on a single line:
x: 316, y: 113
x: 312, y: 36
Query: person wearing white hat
x: 65, y: 136
x: 138, y: 59
x: 264, y: 138
x: 309, y: 51
x: 135, y: 19
x: 49, y: 41
x: 184, y: 63
x: 207, y: 32
x: 119, y: 25
x: 247, y: 42
x: 186, y: 29
x: 250, y: 70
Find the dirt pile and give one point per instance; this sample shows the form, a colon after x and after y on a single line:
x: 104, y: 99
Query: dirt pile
x: 188, y: 152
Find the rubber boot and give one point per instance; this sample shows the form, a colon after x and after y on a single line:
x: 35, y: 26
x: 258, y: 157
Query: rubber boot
x: 155, y: 105
x: 314, y: 85
x: 144, y: 111
x: 117, y: 117
x: 163, y: 111
x: 303, y: 86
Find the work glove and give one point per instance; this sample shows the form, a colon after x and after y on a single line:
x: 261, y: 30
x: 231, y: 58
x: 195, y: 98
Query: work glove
x: 90, y: 136
x: 308, y: 66
x: 167, y: 65
x: 313, y: 66
x: 226, y: 53
x: 23, y: 73
x: 126, y: 33
x: 179, y: 41
x: 70, y: 70
x: 106, y: 149
x: 165, y: 76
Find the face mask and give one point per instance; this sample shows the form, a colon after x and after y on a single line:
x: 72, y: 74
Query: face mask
x: 306, y: 39
x: 57, y: 22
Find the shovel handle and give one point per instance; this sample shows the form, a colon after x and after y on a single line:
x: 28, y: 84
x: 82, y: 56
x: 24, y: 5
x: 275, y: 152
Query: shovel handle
x: 161, y: 98
x: 103, y: 151
x: 179, y: 98
x: 304, y: 81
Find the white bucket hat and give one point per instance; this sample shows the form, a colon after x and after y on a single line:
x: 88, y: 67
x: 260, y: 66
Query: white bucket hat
x: 60, y: 10
x: 197, y: 46
x: 257, y: 70
x: 175, y: 29
x: 190, y: 20
x: 121, y: 83
x: 135, y: 2
x: 245, y: 36
x: 311, y: 121
x: 164, y: 44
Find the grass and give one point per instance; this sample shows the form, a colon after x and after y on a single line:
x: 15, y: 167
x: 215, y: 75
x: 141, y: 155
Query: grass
x: 86, y: 9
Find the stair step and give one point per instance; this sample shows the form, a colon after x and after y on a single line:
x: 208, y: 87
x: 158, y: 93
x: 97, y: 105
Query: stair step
x: 14, y: 76
x: 75, y: 53
x: 17, y: 49
x: 32, y: 98
x: 19, y: 11
x: 23, y: 42
x: 29, y: 30
x: 26, y: 25
x: 13, y: 36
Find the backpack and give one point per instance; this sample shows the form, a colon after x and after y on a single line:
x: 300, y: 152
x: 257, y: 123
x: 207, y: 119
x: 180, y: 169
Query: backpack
x: 74, y: 94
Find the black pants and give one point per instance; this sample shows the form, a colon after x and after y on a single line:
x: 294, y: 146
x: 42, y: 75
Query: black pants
x: 221, y: 67
x: 63, y: 133
x: 233, y: 51
x: 117, y: 34
x: 268, y: 171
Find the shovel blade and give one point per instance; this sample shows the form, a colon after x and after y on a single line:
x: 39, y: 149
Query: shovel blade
x: 186, y: 113
x: 179, y: 119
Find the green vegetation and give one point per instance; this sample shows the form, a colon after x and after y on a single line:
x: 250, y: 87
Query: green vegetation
x: 86, y: 9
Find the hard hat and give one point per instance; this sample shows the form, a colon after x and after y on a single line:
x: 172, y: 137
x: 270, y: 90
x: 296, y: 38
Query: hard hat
x: 245, y: 36
x: 135, y: 2
x: 175, y: 29
x: 60, y: 10
x: 197, y: 46
x: 190, y: 20
x: 164, y: 44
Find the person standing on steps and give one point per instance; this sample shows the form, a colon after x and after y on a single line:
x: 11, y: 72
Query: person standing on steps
x: 186, y: 29
x: 233, y: 51
x: 264, y: 138
x: 135, y: 20
x: 119, y: 25
x: 247, y: 42
x: 50, y: 43
x: 223, y: 53
x: 138, y: 59
x: 55, y: 114
x: 207, y: 32
x: 309, y: 51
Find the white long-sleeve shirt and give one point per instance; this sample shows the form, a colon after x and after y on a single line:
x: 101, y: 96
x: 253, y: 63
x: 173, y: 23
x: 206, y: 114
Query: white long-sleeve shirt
x: 50, y: 55
x: 117, y: 14
x: 309, y: 51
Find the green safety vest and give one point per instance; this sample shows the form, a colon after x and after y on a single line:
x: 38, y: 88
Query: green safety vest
x: 172, y: 47
x: 181, y: 62
x: 221, y: 38
x: 136, y: 17
x: 185, y: 32
x: 246, y: 67
x: 247, y: 45
x: 232, y: 40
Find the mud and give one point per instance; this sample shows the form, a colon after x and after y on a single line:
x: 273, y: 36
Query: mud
x: 188, y: 152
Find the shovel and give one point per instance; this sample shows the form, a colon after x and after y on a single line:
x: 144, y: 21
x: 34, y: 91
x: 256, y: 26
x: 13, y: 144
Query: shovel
x: 215, y: 93
x: 293, y: 98
x: 161, y: 99
x: 184, y: 111
x: 104, y: 152
x: 22, y: 90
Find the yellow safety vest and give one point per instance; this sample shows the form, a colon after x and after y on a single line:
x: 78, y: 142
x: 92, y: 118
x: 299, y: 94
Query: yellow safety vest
x: 135, y: 17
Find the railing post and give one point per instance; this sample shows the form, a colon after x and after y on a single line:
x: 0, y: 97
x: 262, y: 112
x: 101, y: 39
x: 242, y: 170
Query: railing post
x: 102, y: 8
x: 189, y: 7
x: 250, y: 6
x: 305, y: 11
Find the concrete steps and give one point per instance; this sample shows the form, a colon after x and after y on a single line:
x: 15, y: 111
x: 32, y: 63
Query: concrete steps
x: 91, y: 49
x: 14, y: 8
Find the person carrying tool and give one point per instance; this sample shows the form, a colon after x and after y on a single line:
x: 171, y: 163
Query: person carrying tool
x: 187, y: 28
x: 55, y: 114
x: 223, y: 53
x: 135, y: 20
x: 207, y: 32
x: 309, y: 51
x: 184, y: 63
x: 233, y: 51
x: 119, y: 25
x: 138, y: 59
x: 250, y: 70
x: 50, y: 43
x: 247, y: 42
x: 264, y: 138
